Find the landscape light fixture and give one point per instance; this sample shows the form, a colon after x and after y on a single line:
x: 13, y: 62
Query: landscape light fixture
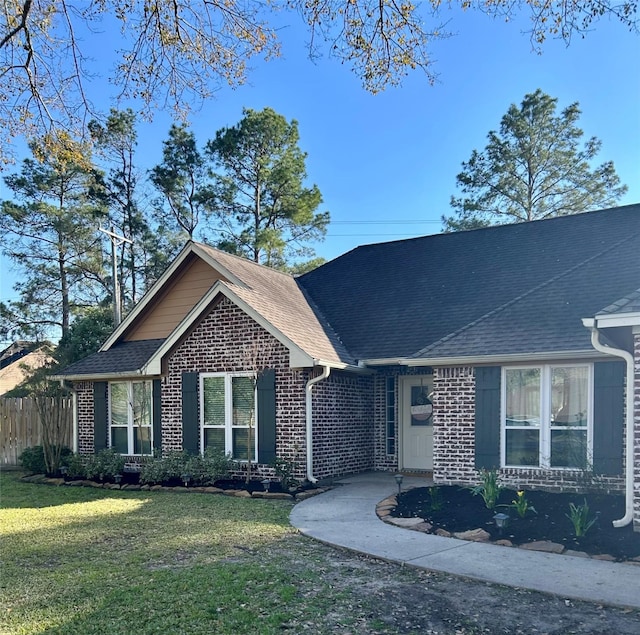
x: 399, y: 478
x: 266, y: 483
x: 185, y: 479
x: 501, y: 520
x: 117, y: 478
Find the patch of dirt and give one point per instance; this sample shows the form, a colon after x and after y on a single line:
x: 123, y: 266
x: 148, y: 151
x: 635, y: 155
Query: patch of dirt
x: 458, y: 510
x: 365, y: 596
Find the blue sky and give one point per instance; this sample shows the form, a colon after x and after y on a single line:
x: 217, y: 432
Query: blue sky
x: 386, y: 164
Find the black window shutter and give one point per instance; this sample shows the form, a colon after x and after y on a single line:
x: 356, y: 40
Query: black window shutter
x: 487, y: 425
x: 267, y: 416
x: 608, y: 417
x: 157, y: 416
x: 190, y: 424
x: 100, y: 415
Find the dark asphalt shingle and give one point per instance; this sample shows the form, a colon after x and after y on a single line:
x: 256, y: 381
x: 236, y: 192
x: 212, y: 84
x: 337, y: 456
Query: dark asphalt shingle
x: 123, y: 357
x: 395, y: 299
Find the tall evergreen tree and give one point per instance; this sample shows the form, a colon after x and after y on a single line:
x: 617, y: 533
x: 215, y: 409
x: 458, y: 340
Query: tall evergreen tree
x: 141, y: 261
x: 49, y: 232
x: 182, y: 179
x: 263, y: 209
x: 537, y: 166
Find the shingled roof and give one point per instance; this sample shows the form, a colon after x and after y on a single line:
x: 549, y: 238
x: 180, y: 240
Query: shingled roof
x: 500, y: 290
x: 121, y: 359
x: 278, y: 298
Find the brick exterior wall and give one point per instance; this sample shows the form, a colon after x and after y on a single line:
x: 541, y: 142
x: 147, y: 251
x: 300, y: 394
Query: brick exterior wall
x: 84, y: 394
x: 453, y: 425
x: 454, y: 436
x: 216, y: 344
x: 343, y: 427
x: 636, y: 427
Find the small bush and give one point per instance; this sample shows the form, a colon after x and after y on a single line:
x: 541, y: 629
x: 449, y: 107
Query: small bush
x: 104, y: 465
x: 285, y: 471
x: 32, y: 459
x: 202, y: 470
x: 75, y: 464
x: 163, y: 469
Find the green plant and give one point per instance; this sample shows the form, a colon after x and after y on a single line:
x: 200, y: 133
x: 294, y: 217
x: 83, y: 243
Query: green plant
x: 521, y: 504
x: 164, y: 469
x: 75, y: 464
x: 489, y: 487
x: 437, y: 502
x: 33, y: 459
x: 207, y: 469
x: 579, y: 517
x: 285, y: 470
x: 104, y: 464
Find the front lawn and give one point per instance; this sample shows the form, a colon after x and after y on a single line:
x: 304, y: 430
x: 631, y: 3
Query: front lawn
x: 83, y: 561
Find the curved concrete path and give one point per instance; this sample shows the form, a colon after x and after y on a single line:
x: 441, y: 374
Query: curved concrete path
x: 345, y: 517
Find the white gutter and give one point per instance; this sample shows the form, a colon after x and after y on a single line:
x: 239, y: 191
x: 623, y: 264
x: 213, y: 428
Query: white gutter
x: 628, y: 358
x: 512, y: 358
x: 309, y: 413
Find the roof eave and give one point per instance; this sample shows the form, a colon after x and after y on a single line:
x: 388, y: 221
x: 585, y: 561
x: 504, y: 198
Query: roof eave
x: 610, y: 320
x: 475, y: 360
x: 102, y: 376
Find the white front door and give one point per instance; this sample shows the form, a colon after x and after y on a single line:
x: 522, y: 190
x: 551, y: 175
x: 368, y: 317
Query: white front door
x: 417, y: 422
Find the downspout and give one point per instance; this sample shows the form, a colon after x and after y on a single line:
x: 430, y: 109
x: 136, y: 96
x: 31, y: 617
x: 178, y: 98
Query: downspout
x: 74, y: 413
x: 309, y: 412
x: 628, y: 358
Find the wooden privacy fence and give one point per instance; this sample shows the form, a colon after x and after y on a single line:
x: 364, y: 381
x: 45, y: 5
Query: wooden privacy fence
x: 20, y: 426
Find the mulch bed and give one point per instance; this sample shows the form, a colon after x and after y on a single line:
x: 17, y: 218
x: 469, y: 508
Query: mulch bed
x: 462, y: 511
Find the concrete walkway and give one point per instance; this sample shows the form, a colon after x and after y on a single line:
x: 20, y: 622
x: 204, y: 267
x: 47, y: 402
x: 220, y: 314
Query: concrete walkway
x: 345, y: 517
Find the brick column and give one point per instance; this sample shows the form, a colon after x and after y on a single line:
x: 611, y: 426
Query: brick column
x: 453, y: 425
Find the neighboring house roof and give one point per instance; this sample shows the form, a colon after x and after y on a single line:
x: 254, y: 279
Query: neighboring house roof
x: 495, y: 289
x: 18, y: 359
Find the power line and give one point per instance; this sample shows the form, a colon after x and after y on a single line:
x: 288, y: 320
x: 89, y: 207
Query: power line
x: 383, y: 222
x: 406, y: 235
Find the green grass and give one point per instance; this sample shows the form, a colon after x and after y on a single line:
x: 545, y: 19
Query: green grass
x: 84, y: 561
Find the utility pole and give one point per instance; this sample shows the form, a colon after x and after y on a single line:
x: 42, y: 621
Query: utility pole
x: 116, y: 241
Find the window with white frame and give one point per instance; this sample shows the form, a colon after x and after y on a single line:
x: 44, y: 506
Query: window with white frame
x: 228, y: 414
x: 130, y: 417
x: 547, y: 412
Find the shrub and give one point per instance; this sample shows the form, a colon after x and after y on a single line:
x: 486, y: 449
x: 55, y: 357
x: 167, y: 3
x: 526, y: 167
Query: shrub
x: 105, y: 464
x: 75, y: 464
x: 437, y: 502
x: 203, y: 470
x: 285, y: 470
x: 163, y: 469
x: 32, y: 459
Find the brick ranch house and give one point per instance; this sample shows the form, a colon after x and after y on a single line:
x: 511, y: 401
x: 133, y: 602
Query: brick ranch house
x: 513, y: 347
